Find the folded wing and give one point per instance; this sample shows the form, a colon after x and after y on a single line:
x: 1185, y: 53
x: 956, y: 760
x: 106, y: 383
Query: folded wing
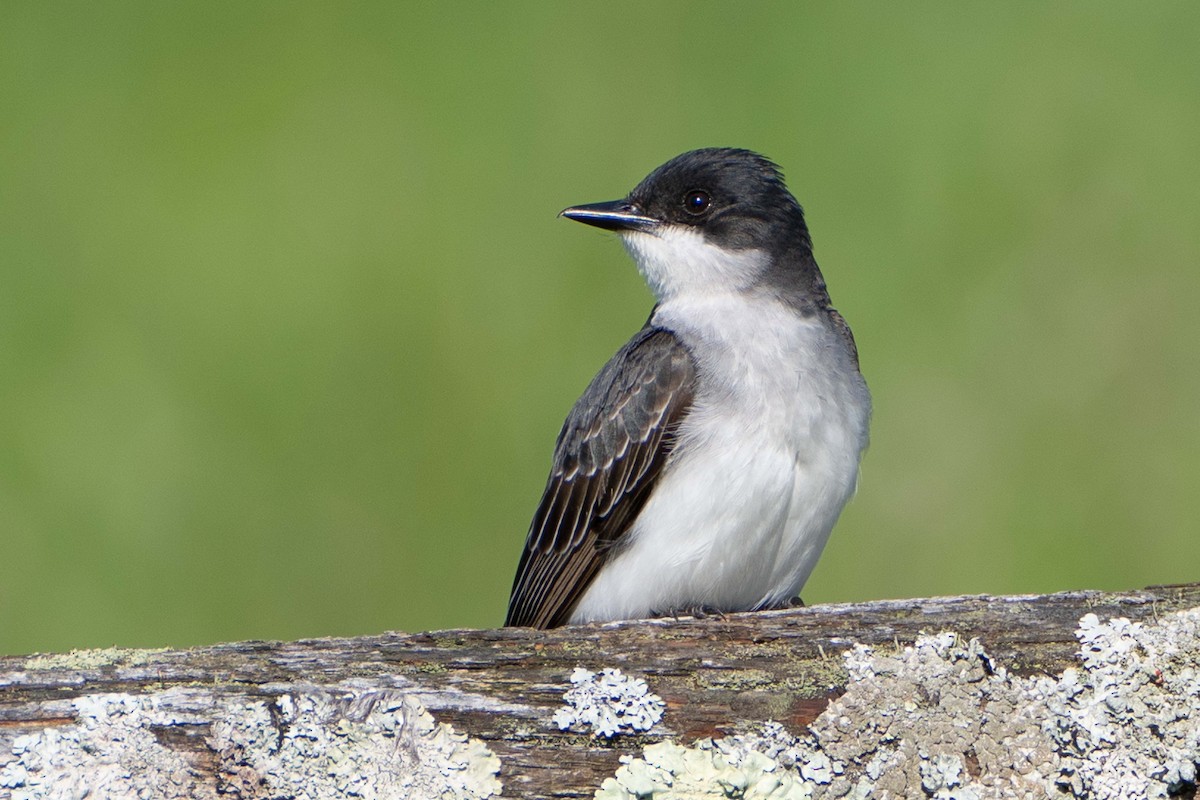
x: 609, y: 454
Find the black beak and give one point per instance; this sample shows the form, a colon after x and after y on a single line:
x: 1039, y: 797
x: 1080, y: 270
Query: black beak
x: 615, y: 215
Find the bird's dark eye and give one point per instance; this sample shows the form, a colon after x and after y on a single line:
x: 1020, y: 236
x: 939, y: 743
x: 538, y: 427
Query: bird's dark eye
x: 696, y: 202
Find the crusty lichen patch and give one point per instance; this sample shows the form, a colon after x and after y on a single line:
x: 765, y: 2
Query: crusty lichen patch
x: 377, y: 744
x: 608, y: 703
x: 309, y: 742
x: 668, y: 771
x: 93, y: 659
x: 940, y: 719
x: 110, y: 752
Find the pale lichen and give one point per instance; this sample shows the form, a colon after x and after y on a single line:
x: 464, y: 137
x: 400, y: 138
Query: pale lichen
x: 375, y: 745
x: 608, y: 703
x: 668, y: 771
x: 307, y: 742
x: 110, y: 752
x: 93, y: 659
x: 1128, y: 723
x: 940, y: 719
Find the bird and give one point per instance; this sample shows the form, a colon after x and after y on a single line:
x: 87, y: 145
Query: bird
x: 705, y: 465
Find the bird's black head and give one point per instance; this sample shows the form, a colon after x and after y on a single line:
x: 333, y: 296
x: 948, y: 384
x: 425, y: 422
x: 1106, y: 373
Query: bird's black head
x: 736, y: 198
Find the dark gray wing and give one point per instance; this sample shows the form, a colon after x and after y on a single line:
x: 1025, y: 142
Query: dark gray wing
x: 609, y: 453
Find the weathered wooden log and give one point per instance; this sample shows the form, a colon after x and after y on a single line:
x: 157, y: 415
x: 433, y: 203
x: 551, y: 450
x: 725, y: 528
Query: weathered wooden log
x: 328, y: 718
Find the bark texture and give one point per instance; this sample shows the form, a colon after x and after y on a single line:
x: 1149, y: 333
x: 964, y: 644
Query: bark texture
x: 201, y: 713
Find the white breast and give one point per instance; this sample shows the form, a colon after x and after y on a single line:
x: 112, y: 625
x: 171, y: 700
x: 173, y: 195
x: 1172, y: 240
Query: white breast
x: 767, y: 457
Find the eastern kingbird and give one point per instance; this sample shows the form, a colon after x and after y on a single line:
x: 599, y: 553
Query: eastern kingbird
x: 706, y: 464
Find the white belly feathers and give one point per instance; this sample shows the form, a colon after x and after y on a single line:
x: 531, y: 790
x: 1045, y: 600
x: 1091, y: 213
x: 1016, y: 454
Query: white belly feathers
x: 766, y: 458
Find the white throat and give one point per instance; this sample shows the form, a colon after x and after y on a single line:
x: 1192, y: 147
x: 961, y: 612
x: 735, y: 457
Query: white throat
x: 676, y: 260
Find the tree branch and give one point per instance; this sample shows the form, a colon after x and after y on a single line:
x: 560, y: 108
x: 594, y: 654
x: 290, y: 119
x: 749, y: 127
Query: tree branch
x: 250, y: 719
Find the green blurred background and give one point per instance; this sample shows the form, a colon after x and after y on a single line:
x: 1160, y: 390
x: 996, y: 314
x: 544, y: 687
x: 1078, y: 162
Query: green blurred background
x: 288, y: 325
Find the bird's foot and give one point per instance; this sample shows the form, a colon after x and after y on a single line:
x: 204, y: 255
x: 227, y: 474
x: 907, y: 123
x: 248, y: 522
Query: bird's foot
x: 795, y: 602
x: 695, y: 612
x: 704, y: 612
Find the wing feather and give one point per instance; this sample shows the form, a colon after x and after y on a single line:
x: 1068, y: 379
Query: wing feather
x: 610, y: 451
